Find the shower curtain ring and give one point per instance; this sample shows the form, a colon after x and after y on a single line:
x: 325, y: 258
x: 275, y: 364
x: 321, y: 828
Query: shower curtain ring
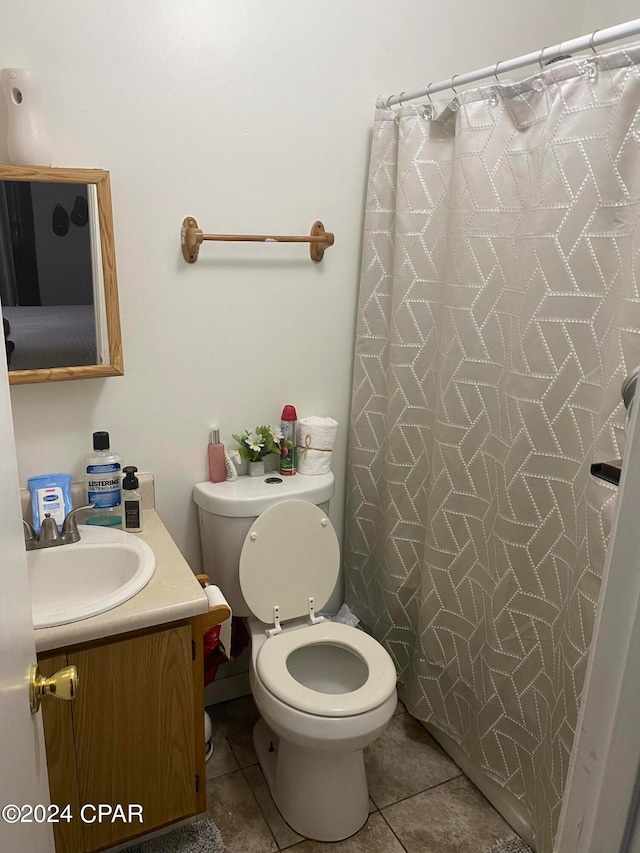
x: 540, y: 55
x: 427, y: 93
x: 593, y: 35
x: 496, y: 69
x: 400, y: 98
x: 387, y: 104
x: 451, y: 84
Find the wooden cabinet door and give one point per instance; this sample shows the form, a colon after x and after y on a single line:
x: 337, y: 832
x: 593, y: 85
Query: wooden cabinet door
x: 133, y: 721
x: 61, y: 761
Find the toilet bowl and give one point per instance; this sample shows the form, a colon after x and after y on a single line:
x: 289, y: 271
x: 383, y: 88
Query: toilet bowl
x: 324, y: 690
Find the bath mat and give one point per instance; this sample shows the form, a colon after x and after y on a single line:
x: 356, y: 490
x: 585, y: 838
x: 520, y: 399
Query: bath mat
x: 512, y: 844
x: 200, y: 837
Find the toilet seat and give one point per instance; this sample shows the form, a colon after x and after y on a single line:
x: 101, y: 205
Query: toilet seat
x: 271, y: 666
x: 290, y: 554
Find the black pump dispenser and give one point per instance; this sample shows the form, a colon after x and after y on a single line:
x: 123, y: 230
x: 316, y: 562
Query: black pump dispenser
x: 131, y: 501
x: 130, y: 481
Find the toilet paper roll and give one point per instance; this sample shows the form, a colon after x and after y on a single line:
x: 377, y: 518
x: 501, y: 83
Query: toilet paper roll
x: 215, y: 596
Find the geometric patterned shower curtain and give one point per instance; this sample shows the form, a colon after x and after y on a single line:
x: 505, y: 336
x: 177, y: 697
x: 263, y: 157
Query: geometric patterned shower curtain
x: 498, y: 314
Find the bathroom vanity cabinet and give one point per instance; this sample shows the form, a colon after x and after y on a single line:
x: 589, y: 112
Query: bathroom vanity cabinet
x: 132, y: 735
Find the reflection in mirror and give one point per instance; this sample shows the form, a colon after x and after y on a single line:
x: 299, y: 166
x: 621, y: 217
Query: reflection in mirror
x: 58, y: 285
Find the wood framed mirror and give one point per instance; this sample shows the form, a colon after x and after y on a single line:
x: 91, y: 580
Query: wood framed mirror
x: 58, y: 284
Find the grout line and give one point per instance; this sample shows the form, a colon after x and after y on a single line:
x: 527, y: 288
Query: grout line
x: 432, y: 788
x: 391, y: 829
x: 233, y: 752
x: 423, y: 791
x: 218, y: 775
x: 296, y: 843
x: 264, y: 817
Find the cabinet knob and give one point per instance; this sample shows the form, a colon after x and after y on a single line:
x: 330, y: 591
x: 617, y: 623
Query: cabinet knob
x: 63, y: 684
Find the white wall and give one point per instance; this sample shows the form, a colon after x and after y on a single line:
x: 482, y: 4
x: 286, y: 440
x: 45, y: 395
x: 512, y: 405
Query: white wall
x: 606, y: 13
x: 251, y: 116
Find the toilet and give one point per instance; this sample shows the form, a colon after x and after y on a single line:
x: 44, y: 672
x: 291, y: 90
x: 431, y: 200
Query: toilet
x: 324, y: 690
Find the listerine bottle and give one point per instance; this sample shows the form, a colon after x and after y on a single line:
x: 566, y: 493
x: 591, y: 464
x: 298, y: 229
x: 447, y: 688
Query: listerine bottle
x: 103, y: 472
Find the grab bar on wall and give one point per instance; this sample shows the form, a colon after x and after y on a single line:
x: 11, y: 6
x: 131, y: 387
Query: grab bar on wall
x: 193, y: 237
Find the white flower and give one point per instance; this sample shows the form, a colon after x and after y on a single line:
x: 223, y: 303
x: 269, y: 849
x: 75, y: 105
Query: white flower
x: 276, y: 434
x: 253, y: 442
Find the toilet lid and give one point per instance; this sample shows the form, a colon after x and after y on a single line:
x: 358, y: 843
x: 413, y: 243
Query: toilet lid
x: 290, y: 553
x: 277, y: 677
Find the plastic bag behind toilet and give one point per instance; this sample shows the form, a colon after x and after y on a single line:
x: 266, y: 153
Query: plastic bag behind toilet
x: 344, y: 615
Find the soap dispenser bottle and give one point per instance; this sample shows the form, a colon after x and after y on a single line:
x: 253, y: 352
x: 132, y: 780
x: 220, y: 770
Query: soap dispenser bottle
x: 131, y: 501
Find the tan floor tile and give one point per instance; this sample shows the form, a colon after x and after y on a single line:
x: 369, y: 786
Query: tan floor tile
x: 222, y: 760
x: 235, y: 719
x: 281, y: 830
x: 374, y: 837
x: 235, y: 811
x: 405, y: 760
x: 452, y: 818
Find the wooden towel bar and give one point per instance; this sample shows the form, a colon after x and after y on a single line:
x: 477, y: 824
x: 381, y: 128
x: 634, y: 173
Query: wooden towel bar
x: 193, y: 237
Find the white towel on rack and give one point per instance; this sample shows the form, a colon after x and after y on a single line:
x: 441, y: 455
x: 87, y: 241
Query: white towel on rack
x: 315, y: 439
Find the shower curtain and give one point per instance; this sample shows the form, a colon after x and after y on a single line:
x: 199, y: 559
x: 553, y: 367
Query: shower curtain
x: 498, y: 315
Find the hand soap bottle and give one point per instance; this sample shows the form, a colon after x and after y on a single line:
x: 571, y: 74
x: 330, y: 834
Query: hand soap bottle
x: 131, y: 501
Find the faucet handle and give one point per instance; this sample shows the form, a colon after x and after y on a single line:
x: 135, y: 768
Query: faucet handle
x: 70, y: 525
x: 30, y: 538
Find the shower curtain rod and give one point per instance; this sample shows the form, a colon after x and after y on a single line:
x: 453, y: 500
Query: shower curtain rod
x: 599, y: 37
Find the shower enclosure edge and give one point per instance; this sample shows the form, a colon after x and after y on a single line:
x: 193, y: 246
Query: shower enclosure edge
x: 600, y: 808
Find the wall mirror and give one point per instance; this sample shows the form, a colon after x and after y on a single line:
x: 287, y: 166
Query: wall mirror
x: 58, y: 285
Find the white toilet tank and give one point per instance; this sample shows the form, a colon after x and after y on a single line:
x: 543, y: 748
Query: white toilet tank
x: 227, y: 510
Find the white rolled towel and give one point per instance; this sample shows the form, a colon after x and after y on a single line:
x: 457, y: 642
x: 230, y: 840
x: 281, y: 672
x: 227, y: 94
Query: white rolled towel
x: 315, y: 439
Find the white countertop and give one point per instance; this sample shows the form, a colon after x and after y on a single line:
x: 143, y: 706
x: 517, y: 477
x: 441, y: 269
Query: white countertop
x: 173, y: 593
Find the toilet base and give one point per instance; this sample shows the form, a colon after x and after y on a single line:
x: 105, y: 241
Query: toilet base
x: 321, y: 795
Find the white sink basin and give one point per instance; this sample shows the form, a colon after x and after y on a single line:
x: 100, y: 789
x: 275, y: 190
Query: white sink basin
x: 72, y: 582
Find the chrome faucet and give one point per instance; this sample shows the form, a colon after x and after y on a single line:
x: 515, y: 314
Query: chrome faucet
x: 49, y: 535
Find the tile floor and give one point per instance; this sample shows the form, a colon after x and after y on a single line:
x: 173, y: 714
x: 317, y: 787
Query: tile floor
x: 420, y: 802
